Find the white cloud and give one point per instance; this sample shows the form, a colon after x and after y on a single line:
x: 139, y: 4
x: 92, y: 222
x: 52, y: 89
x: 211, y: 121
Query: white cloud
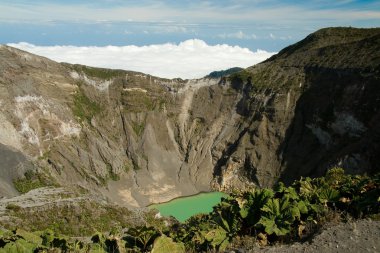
x: 286, y: 37
x: 169, y: 29
x: 238, y: 35
x: 189, y: 59
x: 295, y: 14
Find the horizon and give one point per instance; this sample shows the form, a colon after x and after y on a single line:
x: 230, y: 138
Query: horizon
x: 241, y: 25
x: 190, y: 59
x: 266, y: 25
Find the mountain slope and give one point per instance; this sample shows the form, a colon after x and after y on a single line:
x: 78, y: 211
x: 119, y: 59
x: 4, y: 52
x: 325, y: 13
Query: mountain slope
x: 310, y: 107
x: 128, y: 136
x: 138, y: 139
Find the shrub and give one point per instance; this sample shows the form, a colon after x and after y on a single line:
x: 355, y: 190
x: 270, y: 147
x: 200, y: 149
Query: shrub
x: 30, y: 181
x: 284, y: 213
x: 84, y: 108
x: 13, y: 207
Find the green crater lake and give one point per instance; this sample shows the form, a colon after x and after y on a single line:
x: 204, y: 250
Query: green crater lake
x: 185, y: 207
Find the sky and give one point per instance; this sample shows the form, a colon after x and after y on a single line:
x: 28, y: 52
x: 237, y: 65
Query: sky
x: 264, y: 25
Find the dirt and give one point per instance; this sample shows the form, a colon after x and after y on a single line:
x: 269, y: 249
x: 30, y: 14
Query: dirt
x: 39, y: 197
x: 137, y: 139
x: 13, y: 165
x: 355, y: 236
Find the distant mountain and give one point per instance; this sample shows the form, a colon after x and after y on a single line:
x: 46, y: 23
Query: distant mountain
x: 221, y: 73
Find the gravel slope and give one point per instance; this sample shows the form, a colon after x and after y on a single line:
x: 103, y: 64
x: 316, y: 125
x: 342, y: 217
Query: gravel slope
x: 356, y: 237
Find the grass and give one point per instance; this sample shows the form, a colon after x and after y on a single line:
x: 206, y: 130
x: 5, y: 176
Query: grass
x: 307, y: 203
x: 138, y: 128
x: 13, y: 207
x: 101, y: 73
x: 112, y: 175
x: 221, y: 73
x: 229, y: 92
x: 84, y: 108
x: 127, y: 168
x: 268, y: 77
x: 25, y: 185
x: 72, y: 219
x: 30, y: 181
x: 241, y: 76
x: 199, y: 124
x: 136, y: 102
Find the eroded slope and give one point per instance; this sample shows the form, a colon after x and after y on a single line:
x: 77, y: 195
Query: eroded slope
x: 138, y: 139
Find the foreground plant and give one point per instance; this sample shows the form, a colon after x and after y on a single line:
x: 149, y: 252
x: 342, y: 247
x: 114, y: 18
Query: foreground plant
x: 269, y: 215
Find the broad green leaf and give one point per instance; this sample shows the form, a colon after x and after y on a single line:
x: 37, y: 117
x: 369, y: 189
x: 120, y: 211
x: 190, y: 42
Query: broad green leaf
x: 199, y: 237
x: 96, y: 248
x: 223, y: 245
x: 244, y: 212
x: 19, y: 246
x: 269, y: 225
x: 164, y: 244
x: 328, y: 195
x: 302, y: 207
x: 255, y: 200
x: 47, y: 237
x: 278, y: 215
x: 30, y: 237
x: 295, y: 212
x: 216, y: 236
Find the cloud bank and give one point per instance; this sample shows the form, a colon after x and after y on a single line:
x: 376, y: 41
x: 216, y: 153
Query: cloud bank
x: 189, y: 59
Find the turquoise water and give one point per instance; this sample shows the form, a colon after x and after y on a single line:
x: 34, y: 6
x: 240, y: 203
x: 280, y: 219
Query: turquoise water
x: 185, y: 207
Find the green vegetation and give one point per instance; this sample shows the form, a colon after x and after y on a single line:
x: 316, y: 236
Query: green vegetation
x: 30, y: 181
x: 146, y: 98
x: 84, y: 108
x: 241, y: 76
x: 101, y: 73
x: 112, y: 175
x: 266, y: 215
x: 127, y: 168
x: 229, y: 92
x: 80, y: 219
x: 274, y: 77
x: 164, y: 244
x: 221, y: 73
x: 200, y: 123
x: 138, y: 128
x: 326, y: 37
x: 140, y: 238
x: 20, y: 241
x: 135, y: 101
x: 13, y: 207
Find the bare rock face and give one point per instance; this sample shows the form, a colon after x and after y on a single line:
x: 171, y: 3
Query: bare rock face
x: 313, y: 106
x: 13, y: 165
x: 139, y: 139
x: 131, y: 137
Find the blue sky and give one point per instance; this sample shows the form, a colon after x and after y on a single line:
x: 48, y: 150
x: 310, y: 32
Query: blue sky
x: 256, y: 24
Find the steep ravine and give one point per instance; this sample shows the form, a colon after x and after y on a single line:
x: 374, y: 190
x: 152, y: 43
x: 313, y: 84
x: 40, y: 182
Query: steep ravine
x: 313, y: 106
x: 133, y: 138
x: 138, y: 139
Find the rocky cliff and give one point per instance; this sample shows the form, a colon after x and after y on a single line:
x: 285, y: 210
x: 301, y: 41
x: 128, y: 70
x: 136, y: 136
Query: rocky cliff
x: 312, y: 106
x: 138, y: 139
